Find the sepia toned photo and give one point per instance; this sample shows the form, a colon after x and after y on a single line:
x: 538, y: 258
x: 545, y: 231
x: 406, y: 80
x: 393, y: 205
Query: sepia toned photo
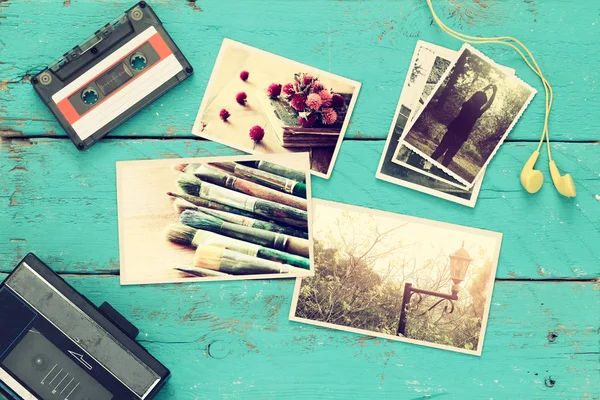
x: 471, y: 111
x: 398, y: 277
x: 259, y: 102
x: 399, y: 164
x: 214, y: 218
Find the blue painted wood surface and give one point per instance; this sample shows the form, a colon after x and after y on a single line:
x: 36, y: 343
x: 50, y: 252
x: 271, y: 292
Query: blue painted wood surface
x: 233, y: 340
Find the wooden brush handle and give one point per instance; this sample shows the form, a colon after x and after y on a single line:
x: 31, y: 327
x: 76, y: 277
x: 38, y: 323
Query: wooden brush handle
x: 298, y: 246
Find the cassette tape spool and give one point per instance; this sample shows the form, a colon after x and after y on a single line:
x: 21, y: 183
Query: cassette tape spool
x: 56, y: 345
x: 108, y: 78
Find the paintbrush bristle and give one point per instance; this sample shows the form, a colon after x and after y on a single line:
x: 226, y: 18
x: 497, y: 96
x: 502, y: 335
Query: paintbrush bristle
x: 179, y: 167
x: 180, y: 234
x: 180, y: 205
x: 189, y: 184
x: 200, y: 220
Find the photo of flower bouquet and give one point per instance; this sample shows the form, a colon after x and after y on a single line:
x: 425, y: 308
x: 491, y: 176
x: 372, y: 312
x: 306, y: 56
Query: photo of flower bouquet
x: 259, y: 102
x: 315, y: 104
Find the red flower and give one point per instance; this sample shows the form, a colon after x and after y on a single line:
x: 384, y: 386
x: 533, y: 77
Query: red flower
x: 325, y: 97
x: 257, y: 133
x: 298, y: 102
x: 328, y: 116
x: 308, y: 121
x: 337, y: 101
x: 224, y: 114
x: 288, y: 89
x: 307, y: 79
x: 244, y: 75
x: 317, y: 87
x: 241, y: 98
x: 313, y: 101
x: 274, y: 90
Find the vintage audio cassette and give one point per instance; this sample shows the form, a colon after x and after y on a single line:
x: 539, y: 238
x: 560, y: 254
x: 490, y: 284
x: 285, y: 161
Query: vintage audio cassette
x: 105, y: 80
x: 55, y: 344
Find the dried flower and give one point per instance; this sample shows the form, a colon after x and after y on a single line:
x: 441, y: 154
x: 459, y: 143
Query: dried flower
x: 244, y: 75
x: 328, y: 116
x: 307, y: 79
x: 308, y: 121
x: 313, y: 101
x: 241, y: 98
x: 317, y: 87
x: 288, y: 89
x: 298, y: 102
x: 274, y: 90
x: 337, y: 101
x: 325, y: 97
x: 224, y: 114
x: 257, y: 133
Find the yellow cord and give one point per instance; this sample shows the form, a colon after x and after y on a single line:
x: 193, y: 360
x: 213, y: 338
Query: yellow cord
x: 505, y: 40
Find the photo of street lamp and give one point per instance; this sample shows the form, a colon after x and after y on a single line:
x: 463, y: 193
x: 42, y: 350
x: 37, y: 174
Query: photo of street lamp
x: 459, y: 262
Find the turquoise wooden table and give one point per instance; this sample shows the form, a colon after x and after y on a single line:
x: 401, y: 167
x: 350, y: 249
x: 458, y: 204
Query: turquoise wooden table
x: 233, y: 340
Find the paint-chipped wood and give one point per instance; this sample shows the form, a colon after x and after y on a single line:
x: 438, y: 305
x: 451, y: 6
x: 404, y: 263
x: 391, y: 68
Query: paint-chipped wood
x: 233, y: 341
x: 368, y: 41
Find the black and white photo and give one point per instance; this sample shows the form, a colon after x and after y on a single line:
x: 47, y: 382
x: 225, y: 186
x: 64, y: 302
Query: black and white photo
x: 470, y: 113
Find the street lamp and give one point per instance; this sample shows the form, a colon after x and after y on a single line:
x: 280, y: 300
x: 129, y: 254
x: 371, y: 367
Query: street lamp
x: 459, y: 263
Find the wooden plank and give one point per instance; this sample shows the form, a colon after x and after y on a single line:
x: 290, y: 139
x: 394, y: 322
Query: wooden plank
x: 234, y: 341
x: 61, y: 203
x: 371, y: 42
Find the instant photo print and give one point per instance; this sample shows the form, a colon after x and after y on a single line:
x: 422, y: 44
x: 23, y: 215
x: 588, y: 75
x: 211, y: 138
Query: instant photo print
x: 214, y: 218
x: 262, y: 103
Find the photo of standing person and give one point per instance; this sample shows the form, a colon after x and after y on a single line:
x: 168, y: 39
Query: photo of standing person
x: 470, y: 113
x: 461, y: 126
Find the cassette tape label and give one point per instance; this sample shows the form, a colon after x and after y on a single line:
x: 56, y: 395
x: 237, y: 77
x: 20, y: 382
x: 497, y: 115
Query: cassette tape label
x: 112, y: 75
x: 106, y: 82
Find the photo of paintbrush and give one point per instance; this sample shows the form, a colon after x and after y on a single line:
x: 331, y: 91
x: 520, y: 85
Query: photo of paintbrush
x: 219, y: 177
x: 202, y: 272
x: 213, y: 205
x: 188, y: 236
x: 232, y: 262
x: 286, y: 172
x: 274, y: 240
x: 266, y: 208
x: 264, y: 178
x: 181, y: 205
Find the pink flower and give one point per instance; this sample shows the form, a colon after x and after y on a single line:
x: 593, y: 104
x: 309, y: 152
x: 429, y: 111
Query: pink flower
x: 288, y: 89
x: 244, y: 75
x: 307, y: 79
x: 298, y: 102
x: 241, y: 98
x: 328, y: 116
x: 274, y: 90
x: 317, y: 87
x: 337, y: 101
x: 314, y: 101
x: 257, y: 133
x: 224, y: 114
x: 325, y: 97
x: 308, y: 121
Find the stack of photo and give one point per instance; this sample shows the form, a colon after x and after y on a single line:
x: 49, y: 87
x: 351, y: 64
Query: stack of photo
x: 455, y: 110
x: 215, y: 218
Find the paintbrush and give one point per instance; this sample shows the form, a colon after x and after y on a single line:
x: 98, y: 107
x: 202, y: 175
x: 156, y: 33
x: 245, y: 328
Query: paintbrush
x: 278, y: 241
x: 232, y: 262
x: 202, y: 272
x: 222, y: 178
x: 266, y: 208
x: 181, y: 205
x: 188, y: 236
x: 213, y: 205
x: 264, y: 178
x: 286, y: 172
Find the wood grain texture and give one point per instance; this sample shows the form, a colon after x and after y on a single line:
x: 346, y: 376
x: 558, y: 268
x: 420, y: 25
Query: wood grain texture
x: 233, y: 341
x: 370, y: 41
x: 546, y: 235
